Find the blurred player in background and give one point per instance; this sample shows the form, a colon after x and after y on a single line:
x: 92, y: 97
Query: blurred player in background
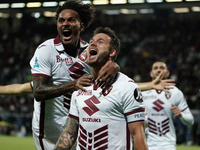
x: 160, y: 107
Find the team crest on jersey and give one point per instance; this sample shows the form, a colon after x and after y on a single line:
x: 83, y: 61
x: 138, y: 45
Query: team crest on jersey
x: 36, y: 65
x: 168, y: 95
x: 138, y: 95
x: 83, y: 56
x: 106, y: 92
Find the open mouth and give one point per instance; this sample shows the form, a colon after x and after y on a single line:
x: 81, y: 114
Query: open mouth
x: 93, y: 52
x: 67, y: 33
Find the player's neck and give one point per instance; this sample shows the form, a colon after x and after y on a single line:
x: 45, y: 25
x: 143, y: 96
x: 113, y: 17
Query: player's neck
x: 95, y: 72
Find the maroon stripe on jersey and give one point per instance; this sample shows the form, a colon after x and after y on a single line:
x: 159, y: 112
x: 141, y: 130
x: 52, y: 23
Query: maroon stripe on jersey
x: 166, y: 120
x: 128, y: 138
x: 31, y: 86
x: 102, y: 135
x: 38, y: 74
x: 101, y: 129
x: 90, y: 134
x: 83, y: 136
x: 103, y: 147
x: 81, y: 147
x: 66, y: 106
x: 82, y: 142
x: 72, y: 116
x: 184, y: 109
x: 150, y: 127
x: 150, y: 124
x: 101, y: 142
x: 135, y: 111
x: 82, y: 129
x: 153, y: 132
x: 41, y: 124
x: 151, y: 120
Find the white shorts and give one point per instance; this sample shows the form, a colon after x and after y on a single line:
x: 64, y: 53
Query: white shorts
x: 44, y: 144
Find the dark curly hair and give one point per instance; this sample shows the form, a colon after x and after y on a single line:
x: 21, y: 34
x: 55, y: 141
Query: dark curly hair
x: 85, y: 11
x: 114, y: 43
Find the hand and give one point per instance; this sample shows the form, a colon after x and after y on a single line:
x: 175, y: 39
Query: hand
x: 163, y: 85
x: 83, y: 81
x: 176, y: 110
x: 107, y: 74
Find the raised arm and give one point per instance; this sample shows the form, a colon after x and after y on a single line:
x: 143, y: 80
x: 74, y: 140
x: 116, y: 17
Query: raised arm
x: 16, y: 89
x: 44, y: 91
x: 137, y: 132
x: 68, y: 136
x: 157, y: 84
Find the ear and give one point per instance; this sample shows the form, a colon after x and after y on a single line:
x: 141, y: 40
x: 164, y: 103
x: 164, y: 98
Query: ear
x: 82, y: 26
x: 151, y: 74
x: 112, y: 53
x: 168, y: 72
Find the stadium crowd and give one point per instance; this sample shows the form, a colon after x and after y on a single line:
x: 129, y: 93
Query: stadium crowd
x: 174, y: 40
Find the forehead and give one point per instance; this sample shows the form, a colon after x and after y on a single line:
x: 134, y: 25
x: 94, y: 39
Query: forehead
x: 68, y: 13
x: 102, y: 36
x: 159, y: 64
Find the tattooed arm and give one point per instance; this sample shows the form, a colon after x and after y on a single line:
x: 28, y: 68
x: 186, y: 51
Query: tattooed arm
x: 68, y: 136
x: 43, y: 91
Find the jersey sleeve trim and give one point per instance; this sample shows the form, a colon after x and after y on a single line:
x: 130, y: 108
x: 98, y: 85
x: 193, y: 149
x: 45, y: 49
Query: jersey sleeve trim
x: 184, y: 109
x: 38, y: 74
x: 135, y: 111
x: 75, y: 117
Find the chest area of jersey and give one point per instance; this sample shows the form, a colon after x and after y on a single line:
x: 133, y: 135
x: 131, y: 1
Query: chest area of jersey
x: 98, y: 104
x: 157, y: 103
x: 64, y: 65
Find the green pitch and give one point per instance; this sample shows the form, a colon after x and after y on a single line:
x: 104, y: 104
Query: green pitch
x: 26, y: 143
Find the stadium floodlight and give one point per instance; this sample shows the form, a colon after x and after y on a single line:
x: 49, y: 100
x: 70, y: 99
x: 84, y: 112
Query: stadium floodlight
x: 174, y: 0
x: 181, y: 10
x: 87, y: 2
x: 100, y: 2
x: 195, y: 9
x: 4, y: 5
x: 19, y: 15
x: 146, y: 11
x: 111, y: 12
x: 33, y: 4
x: 49, y: 14
x: 135, y: 1
x: 192, y: 0
x: 17, y: 5
x: 154, y: 1
x: 49, y: 4
x: 4, y: 15
x: 118, y: 1
x: 128, y: 11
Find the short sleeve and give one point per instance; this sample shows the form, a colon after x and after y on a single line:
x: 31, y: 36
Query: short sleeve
x: 132, y: 103
x: 41, y: 61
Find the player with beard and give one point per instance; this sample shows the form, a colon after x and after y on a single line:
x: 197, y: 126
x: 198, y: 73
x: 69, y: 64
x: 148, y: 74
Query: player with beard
x: 105, y: 119
x: 160, y: 108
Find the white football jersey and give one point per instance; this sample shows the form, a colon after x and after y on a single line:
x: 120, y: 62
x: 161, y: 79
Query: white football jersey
x: 160, y: 129
x: 51, y: 61
x: 104, y: 115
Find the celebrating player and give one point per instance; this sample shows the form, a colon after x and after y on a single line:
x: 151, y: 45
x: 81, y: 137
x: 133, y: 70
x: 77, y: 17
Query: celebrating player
x: 160, y: 108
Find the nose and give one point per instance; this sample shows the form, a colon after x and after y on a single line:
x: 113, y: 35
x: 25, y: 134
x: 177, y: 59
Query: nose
x: 66, y: 23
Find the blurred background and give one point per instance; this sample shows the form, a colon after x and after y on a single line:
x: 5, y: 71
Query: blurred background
x: 149, y: 30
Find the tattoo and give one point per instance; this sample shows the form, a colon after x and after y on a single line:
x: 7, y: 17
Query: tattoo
x: 43, y: 91
x: 69, y: 135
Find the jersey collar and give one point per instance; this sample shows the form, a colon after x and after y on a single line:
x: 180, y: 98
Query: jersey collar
x: 59, y: 46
